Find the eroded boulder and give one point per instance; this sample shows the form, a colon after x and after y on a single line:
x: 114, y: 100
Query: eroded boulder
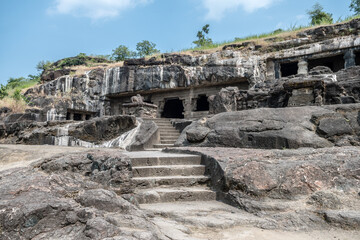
x: 269, y: 128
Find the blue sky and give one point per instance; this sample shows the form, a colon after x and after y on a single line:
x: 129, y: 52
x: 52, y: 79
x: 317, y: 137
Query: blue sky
x: 35, y: 30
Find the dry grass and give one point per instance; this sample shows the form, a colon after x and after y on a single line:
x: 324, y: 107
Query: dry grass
x: 82, y: 69
x: 17, y: 106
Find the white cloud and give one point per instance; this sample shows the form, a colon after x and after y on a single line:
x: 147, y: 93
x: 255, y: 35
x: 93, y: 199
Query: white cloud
x: 218, y: 8
x: 94, y: 9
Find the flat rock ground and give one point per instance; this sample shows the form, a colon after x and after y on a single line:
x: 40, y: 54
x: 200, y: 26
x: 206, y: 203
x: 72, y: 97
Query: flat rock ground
x: 187, y: 220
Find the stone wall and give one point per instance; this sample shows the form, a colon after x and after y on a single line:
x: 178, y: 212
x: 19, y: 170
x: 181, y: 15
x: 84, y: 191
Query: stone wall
x: 262, y: 69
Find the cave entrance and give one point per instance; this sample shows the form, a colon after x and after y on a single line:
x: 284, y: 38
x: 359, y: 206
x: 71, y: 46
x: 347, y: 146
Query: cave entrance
x: 77, y: 117
x: 202, y: 103
x: 173, y: 108
x: 357, y: 58
x: 289, y: 69
x: 335, y: 63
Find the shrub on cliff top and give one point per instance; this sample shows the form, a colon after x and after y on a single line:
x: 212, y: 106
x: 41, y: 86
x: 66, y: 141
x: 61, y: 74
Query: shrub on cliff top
x: 146, y: 48
x: 122, y: 53
x: 202, y: 39
x: 318, y: 16
x: 355, y: 6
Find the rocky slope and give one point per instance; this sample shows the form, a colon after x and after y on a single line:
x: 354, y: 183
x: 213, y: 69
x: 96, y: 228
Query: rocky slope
x: 293, y: 189
x: 72, y: 196
x: 335, y: 125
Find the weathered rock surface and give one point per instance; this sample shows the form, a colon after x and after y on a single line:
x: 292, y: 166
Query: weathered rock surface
x: 72, y: 197
x: 98, y: 130
x: 146, y: 136
x: 295, y: 127
x: 298, y: 189
x: 19, y: 129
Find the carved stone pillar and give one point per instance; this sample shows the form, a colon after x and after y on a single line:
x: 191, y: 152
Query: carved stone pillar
x: 349, y: 58
x: 270, y: 70
x: 303, y: 67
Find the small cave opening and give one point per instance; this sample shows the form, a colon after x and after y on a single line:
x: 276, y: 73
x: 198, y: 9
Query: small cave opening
x: 173, y: 108
x: 88, y: 117
x: 202, y: 103
x: 335, y: 63
x: 289, y: 69
x: 77, y: 117
x: 68, y: 116
x: 357, y: 58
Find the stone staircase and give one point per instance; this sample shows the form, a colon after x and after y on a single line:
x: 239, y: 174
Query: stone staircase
x: 168, y: 134
x: 163, y: 177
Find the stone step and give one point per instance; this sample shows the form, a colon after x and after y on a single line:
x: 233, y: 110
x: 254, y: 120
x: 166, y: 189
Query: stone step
x: 165, y: 126
x: 174, y: 138
x: 176, y: 181
x: 158, y: 195
x: 169, y: 133
x: 163, y: 145
x: 169, y: 160
x: 168, y: 170
x: 153, y: 149
x: 167, y: 141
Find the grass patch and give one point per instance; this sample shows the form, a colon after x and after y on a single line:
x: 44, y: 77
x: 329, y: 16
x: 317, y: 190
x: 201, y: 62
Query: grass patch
x: 277, y: 35
x: 16, y: 106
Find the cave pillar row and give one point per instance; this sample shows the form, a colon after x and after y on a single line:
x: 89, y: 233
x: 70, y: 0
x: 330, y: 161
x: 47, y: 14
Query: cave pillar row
x: 349, y: 58
x: 303, y: 67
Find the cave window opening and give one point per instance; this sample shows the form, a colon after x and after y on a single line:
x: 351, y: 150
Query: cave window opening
x: 289, y: 69
x: 202, y: 103
x: 88, y: 117
x: 335, y: 63
x: 77, y: 117
x: 173, y: 108
x: 357, y: 58
x: 68, y: 116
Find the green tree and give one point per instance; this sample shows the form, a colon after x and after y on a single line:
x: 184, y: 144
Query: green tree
x: 122, y: 53
x: 146, y: 48
x: 17, y: 95
x: 43, y: 65
x: 34, y: 77
x: 318, y: 16
x: 355, y: 6
x: 202, y: 39
x: 14, y: 82
x: 3, y: 91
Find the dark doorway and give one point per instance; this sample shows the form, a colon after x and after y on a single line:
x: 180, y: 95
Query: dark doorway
x: 68, y: 116
x: 202, y: 103
x: 77, y: 117
x: 173, y: 108
x: 335, y: 63
x: 357, y: 58
x: 289, y: 69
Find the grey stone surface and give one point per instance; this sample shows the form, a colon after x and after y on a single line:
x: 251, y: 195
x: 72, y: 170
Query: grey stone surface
x: 294, y: 189
x: 277, y: 128
x: 65, y: 202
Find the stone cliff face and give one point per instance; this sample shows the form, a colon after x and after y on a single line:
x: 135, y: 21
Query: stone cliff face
x: 257, y: 67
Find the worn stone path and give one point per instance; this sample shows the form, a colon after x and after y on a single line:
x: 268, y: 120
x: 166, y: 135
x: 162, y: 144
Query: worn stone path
x: 168, y: 134
x: 165, y: 177
x: 174, y: 191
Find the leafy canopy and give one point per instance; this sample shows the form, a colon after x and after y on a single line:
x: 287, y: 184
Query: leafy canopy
x: 122, y: 53
x: 355, y: 6
x: 202, y: 39
x: 318, y: 16
x: 43, y: 65
x: 146, y: 48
